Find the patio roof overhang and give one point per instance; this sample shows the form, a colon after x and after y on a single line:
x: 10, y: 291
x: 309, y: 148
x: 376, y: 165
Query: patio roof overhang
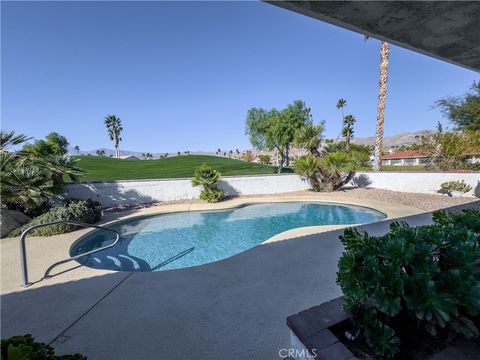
x: 446, y: 30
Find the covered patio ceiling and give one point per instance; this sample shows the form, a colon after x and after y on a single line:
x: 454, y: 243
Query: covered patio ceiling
x: 446, y: 30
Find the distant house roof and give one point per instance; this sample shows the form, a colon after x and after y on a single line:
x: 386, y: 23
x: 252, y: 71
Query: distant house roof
x: 408, y: 154
x: 128, y: 157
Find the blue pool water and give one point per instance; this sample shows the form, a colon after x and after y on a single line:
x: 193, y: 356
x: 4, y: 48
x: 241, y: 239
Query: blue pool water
x: 180, y: 240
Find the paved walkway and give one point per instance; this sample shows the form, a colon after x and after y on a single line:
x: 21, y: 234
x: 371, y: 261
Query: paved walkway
x: 231, y: 309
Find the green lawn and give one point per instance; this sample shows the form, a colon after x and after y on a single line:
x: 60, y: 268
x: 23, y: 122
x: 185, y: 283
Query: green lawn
x: 403, y: 168
x: 105, y: 169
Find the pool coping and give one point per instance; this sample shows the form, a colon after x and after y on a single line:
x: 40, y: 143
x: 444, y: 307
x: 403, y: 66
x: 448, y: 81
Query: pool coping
x: 43, y: 251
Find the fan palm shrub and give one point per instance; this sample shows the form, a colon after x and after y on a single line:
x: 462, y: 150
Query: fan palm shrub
x: 26, y: 188
x: 333, y: 171
x: 310, y: 167
x: 60, y: 166
x: 28, y: 180
x: 310, y: 137
x: 207, y: 178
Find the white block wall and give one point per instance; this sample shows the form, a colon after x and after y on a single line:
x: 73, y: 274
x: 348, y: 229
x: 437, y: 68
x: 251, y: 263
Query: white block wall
x: 145, y: 191
x: 419, y: 182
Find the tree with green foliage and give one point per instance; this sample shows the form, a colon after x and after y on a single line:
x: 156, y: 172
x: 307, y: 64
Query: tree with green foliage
x: 448, y: 150
x: 100, y: 153
x: 336, y: 165
x: 114, y: 128
x: 275, y: 130
x: 54, y: 144
x: 77, y: 149
x: 264, y: 159
x: 463, y: 111
x: 207, y: 178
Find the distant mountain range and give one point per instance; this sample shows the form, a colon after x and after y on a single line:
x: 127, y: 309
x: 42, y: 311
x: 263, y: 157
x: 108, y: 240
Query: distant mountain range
x: 406, y: 139
x: 110, y: 152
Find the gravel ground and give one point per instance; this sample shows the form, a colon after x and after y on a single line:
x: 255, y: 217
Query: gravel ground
x: 422, y: 201
x: 426, y: 202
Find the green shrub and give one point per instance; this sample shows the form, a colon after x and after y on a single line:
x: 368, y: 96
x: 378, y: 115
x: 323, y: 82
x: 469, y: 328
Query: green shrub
x: 212, y: 195
x: 87, y: 211
x: 422, y: 280
x: 264, y: 159
x: 207, y: 178
x: 25, y: 348
x: 460, y: 186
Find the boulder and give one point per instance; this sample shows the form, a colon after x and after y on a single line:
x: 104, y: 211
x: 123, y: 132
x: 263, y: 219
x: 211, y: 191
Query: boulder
x: 10, y: 220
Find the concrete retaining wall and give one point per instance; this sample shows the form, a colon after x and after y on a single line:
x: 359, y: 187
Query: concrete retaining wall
x: 145, y: 191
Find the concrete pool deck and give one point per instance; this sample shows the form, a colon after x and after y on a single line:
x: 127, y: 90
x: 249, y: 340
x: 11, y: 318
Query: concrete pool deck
x: 234, y: 308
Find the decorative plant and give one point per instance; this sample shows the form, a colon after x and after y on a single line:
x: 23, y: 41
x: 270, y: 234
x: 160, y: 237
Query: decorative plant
x: 309, y: 166
x: 25, y: 348
x: 31, y: 177
x: 87, y: 211
x: 333, y: 171
x: 413, y: 281
x: 207, y: 178
x: 459, y: 186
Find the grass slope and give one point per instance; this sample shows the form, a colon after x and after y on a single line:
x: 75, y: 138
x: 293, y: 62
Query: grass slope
x: 105, y: 169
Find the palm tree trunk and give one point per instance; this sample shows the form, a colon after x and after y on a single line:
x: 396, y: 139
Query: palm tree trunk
x: 382, y: 95
x: 117, y: 153
x: 287, y: 155
x: 281, y: 160
x: 315, y: 153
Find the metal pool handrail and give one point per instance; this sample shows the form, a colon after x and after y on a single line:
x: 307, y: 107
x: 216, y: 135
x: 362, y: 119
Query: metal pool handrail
x: 23, y: 252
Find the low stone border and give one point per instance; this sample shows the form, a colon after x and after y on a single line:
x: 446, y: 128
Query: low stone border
x: 310, y: 329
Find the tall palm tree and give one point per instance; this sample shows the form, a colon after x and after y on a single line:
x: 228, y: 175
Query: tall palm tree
x: 347, y: 131
x: 77, y: 149
x: 341, y: 103
x: 382, y: 95
x: 114, y: 127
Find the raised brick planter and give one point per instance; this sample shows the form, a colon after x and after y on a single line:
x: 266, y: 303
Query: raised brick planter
x: 311, y: 329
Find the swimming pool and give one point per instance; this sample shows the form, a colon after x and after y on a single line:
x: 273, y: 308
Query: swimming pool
x: 185, y: 239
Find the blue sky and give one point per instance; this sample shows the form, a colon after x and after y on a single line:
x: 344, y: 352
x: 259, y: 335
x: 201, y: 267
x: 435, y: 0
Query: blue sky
x: 182, y: 75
